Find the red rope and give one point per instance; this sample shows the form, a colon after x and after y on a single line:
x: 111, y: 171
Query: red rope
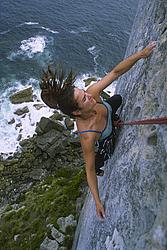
x: 160, y: 120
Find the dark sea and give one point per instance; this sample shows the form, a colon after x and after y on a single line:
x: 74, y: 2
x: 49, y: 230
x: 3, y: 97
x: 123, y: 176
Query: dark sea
x: 89, y: 36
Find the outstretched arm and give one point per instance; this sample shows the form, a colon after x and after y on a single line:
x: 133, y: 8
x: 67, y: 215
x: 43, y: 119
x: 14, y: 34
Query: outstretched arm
x: 89, y: 156
x: 121, y: 68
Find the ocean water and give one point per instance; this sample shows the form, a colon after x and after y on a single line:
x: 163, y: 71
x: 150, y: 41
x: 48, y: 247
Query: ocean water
x: 89, y: 36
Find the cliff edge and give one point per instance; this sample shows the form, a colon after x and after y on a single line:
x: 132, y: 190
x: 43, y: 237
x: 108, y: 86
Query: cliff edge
x: 134, y: 186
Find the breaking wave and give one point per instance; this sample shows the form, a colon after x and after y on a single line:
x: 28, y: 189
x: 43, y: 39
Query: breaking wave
x: 30, y: 47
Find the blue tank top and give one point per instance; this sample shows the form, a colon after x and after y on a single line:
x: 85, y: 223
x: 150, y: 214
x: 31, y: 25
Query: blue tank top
x: 108, y: 128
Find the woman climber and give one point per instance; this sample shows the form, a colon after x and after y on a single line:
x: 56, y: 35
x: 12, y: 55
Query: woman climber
x: 92, y: 114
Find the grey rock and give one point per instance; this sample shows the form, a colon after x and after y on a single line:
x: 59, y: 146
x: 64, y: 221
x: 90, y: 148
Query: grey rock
x: 56, y: 116
x: 38, y: 106
x: 49, y: 244
x: 46, y: 124
x: 38, y: 130
x: 19, y: 137
x: 21, y: 111
x: 23, y: 142
x: 56, y: 148
x: 64, y: 222
x: 25, y: 95
x: 46, y: 140
x: 18, y: 125
x: 11, y: 121
x: 58, y: 236
x: 36, y: 174
x: 79, y: 203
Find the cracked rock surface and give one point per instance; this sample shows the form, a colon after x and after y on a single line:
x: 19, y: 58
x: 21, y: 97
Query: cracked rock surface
x: 134, y: 186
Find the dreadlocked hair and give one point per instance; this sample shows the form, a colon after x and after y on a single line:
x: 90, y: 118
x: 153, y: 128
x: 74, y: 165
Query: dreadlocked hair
x: 58, y: 90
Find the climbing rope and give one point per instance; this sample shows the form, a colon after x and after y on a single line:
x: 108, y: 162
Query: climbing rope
x: 160, y: 120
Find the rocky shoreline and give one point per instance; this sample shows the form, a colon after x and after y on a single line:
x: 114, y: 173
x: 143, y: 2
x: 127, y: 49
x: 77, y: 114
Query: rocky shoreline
x: 42, y: 188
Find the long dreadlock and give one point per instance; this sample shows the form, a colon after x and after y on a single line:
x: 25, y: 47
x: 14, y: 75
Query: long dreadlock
x: 58, y: 90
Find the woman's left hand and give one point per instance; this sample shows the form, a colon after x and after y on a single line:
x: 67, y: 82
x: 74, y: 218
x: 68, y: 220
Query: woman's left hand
x: 100, y: 210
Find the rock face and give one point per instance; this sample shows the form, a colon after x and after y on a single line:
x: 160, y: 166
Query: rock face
x: 134, y: 186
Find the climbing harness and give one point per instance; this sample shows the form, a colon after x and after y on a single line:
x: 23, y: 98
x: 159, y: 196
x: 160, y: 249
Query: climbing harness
x: 159, y: 120
x: 105, y: 150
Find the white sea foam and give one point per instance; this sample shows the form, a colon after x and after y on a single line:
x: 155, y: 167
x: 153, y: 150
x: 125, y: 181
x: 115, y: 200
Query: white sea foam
x: 111, y: 88
x: 83, y: 29
x: 33, y: 45
x: 4, y: 32
x: 23, y: 127
x: 36, y: 23
x: 92, y: 50
x: 74, y: 32
x: 31, y: 23
x: 30, y: 47
x: 49, y: 30
x: 27, y: 23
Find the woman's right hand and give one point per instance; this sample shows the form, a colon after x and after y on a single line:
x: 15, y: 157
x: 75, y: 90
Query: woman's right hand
x: 100, y: 210
x: 148, y: 49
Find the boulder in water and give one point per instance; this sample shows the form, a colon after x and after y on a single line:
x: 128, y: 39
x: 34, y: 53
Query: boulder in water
x: 25, y: 95
x: 22, y: 111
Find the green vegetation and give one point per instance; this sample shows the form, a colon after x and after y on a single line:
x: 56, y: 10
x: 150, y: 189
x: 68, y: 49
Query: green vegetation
x: 24, y: 226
